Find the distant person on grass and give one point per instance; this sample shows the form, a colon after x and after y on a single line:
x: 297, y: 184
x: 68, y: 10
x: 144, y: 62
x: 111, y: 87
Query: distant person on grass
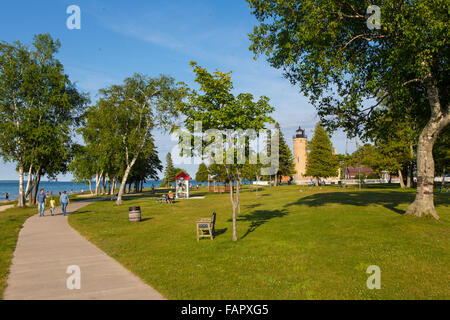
x: 64, y: 202
x: 7, y: 196
x: 41, y: 200
x: 170, y: 197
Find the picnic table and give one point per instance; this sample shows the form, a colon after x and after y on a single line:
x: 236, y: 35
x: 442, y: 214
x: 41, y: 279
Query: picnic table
x: 161, y: 199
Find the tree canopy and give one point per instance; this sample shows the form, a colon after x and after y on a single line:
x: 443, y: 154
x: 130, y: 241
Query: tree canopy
x: 348, y: 70
x: 202, y: 173
x: 39, y: 109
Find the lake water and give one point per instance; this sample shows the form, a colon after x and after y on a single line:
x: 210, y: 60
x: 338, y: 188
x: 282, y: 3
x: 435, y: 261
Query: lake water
x: 12, y: 187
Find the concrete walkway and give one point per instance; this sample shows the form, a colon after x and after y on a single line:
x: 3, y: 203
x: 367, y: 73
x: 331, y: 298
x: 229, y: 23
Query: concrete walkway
x: 3, y: 208
x: 47, y: 246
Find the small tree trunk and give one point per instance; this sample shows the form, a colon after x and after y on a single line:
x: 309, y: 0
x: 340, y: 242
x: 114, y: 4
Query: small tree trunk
x: 257, y: 185
x: 36, y: 187
x: 400, y: 177
x: 111, y: 187
x: 233, y: 205
x: 104, y: 184
x: 21, y: 202
x: 98, y: 177
x: 33, y: 189
x: 443, y: 178
x: 29, y: 180
x: 30, y: 196
x: 90, y: 186
x: 238, y: 195
x: 124, y: 181
x: 409, y: 177
x: 101, y: 184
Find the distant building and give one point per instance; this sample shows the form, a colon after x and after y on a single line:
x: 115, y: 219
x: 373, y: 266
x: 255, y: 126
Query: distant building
x: 353, y: 172
x: 300, y: 153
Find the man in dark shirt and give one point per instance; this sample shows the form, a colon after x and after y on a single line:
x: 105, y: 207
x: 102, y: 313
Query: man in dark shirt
x: 41, y: 200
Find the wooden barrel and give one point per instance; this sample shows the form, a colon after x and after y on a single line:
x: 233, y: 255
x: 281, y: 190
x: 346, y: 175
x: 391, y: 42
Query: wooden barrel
x: 134, y: 214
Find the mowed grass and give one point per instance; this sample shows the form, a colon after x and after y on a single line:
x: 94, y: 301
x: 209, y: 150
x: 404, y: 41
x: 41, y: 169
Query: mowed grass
x: 295, y: 242
x: 11, y: 222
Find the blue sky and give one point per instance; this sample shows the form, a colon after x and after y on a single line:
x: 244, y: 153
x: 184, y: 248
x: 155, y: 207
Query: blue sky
x: 119, y: 38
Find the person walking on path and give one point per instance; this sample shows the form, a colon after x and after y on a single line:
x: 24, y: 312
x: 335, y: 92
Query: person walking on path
x: 64, y: 202
x: 52, y: 206
x: 41, y: 200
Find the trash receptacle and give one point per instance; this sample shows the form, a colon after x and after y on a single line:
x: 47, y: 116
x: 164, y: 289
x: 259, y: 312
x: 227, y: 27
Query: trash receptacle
x: 134, y: 214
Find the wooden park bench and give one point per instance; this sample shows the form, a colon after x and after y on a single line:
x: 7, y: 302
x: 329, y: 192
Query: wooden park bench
x: 165, y: 199
x: 206, y: 227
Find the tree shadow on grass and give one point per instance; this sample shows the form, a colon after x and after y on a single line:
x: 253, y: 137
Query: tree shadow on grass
x: 75, y: 212
x: 259, y: 217
x: 253, y: 206
x: 218, y: 232
x: 388, y: 199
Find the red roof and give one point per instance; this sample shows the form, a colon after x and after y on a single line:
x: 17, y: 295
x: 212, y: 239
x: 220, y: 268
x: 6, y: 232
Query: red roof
x: 183, y: 176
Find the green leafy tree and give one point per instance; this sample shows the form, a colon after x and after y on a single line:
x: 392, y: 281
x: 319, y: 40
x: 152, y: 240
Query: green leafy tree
x: 327, y: 49
x: 130, y: 111
x: 146, y: 167
x: 39, y: 109
x: 286, y: 158
x: 252, y: 171
x: 218, y: 108
x: 82, y: 166
x: 321, y: 163
x: 178, y: 171
x: 170, y: 171
x: 202, y: 174
x: 368, y: 155
x: 394, y: 156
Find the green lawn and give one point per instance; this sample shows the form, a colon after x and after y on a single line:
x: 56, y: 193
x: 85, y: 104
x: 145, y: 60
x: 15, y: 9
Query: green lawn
x: 11, y: 222
x: 308, y: 244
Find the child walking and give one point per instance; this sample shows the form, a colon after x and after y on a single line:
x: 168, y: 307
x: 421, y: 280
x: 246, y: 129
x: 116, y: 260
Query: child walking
x: 52, y: 206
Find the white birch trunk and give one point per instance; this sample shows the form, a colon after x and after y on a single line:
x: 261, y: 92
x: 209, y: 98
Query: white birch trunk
x: 21, y: 202
x: 124, y: 181
x: 30, y: 175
